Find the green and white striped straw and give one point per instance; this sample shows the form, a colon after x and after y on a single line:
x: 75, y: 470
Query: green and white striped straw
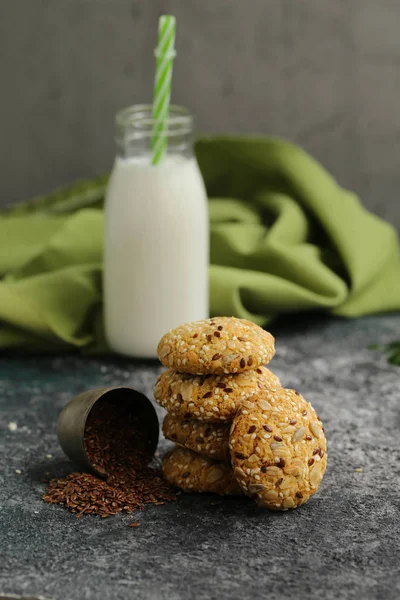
x: 165, y: 54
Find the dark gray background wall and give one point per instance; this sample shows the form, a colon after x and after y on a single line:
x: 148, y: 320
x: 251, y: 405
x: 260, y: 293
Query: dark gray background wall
x: 324, y: 73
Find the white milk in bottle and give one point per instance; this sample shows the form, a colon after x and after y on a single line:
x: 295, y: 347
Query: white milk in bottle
x: 156, y: 235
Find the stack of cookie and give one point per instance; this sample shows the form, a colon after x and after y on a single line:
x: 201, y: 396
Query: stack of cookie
x: 214, y: 367
x: 236, y: 429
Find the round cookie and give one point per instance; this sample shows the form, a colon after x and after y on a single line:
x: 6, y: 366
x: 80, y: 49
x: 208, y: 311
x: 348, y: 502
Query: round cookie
x: 194, y: 473
x: 207, y: 439
x: 278, y: 449
x: 210, y: 398
x: 219, y: 345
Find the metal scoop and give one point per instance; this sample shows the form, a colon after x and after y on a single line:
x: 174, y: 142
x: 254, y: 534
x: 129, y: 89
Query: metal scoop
x: 72, y: 422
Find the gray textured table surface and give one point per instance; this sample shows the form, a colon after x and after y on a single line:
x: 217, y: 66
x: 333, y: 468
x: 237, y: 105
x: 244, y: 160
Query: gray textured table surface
x: 345, y: 543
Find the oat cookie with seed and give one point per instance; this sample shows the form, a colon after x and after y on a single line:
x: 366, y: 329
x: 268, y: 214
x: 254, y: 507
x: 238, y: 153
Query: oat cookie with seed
x: 218, y: 345
x: 278, y: 449
x: 194, y: 473
x: 207, y: 439
x: 210, y: 398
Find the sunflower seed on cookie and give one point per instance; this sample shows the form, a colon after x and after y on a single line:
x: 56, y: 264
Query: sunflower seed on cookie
x: 219, y: 345
x: 207, y: 439
x: 194, y: 473
x: 278, y: 449
x: 210, y: 398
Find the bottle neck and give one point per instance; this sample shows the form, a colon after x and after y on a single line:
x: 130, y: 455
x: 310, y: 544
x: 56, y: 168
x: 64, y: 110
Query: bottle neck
x: 136, y: 131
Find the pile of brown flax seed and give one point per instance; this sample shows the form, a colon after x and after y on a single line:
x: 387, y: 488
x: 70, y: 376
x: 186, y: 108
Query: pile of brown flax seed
x: 114, y: 442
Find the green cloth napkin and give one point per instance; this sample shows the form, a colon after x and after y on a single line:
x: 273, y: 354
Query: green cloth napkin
x: 284, y: 238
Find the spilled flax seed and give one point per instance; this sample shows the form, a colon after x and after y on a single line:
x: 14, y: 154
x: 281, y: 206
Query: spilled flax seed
x: 115, y: 442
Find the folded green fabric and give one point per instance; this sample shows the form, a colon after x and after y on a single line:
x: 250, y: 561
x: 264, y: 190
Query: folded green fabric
x: 284, y: 238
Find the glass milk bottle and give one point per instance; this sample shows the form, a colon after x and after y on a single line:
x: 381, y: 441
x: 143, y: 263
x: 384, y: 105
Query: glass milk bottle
x: 156, y: 234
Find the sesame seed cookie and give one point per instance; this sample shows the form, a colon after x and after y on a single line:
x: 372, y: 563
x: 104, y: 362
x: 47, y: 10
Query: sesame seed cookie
x: 219, y: 345
x: 207, y: 439
x: 278, y: 449
x: 194, y: 473
x: 209, y: 398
